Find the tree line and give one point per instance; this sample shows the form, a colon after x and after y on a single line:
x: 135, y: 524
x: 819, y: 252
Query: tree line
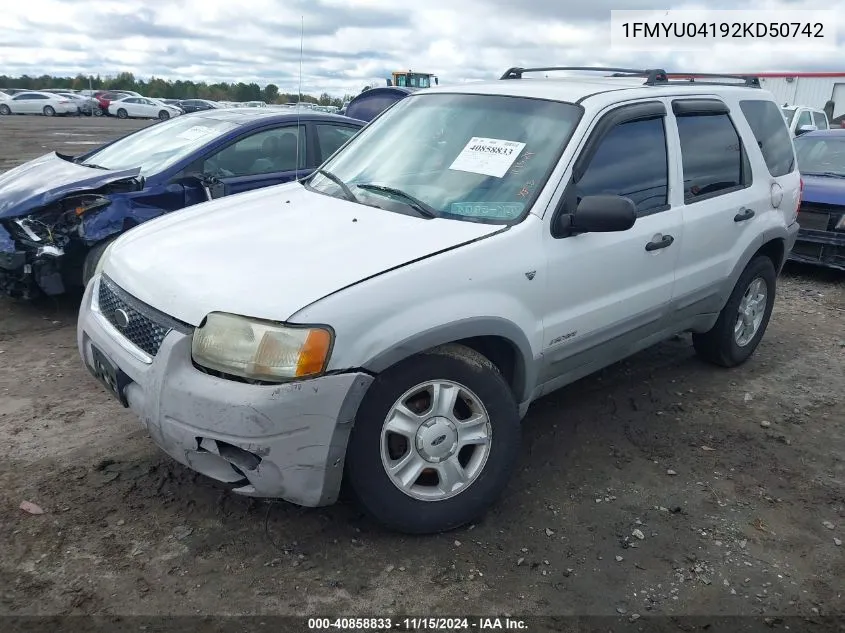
x: 167, y: 89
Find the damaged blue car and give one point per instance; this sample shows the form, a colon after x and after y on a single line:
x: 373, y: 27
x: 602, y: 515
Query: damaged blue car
x: 58, y: 213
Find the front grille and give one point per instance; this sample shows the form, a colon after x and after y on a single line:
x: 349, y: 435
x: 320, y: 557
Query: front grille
x: 142, y: 325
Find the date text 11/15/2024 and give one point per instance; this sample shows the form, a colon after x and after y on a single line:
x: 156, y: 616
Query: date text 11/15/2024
x: 417, y: 624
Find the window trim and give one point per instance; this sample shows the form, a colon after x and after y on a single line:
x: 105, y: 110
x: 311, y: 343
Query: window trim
x: 628, y: 113
x: 746, y: 171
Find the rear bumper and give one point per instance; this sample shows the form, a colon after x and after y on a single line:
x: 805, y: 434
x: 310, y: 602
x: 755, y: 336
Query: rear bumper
x: 822, y: 248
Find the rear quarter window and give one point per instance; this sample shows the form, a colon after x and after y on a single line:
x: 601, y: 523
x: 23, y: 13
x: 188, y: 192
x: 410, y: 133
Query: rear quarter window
x: 772, y: 136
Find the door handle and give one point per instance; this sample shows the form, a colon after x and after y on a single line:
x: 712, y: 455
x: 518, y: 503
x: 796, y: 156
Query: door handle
x: 662, y: 243
x: 743, y: 215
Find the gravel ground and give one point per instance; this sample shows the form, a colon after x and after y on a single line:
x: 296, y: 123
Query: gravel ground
x: 660, y: 486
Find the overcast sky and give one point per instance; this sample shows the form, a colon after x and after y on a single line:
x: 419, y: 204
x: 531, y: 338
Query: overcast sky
x: 348, y: 43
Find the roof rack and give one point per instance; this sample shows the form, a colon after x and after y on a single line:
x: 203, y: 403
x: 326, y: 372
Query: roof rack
x: 653, y: 76
x: 749, y: 81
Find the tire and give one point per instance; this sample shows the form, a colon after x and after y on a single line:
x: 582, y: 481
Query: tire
x: 458, y: 369
x: 97, y: 111
x: 93, y: 258
x: 163, y: 115
x: 122, y: 114
x: 5, y: 110
x: 49, y: 111
x: 722, y: 345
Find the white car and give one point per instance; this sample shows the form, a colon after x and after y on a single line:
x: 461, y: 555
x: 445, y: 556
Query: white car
x: 389, y: 319
x: 142, y: 108
x: 35, y: 102
x: 803, y: 119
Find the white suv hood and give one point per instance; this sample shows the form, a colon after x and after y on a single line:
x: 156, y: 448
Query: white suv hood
x: 269, y: 253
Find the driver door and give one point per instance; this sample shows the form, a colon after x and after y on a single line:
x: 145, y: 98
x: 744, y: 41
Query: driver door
x: 608, y: 292
x: 264, y: 158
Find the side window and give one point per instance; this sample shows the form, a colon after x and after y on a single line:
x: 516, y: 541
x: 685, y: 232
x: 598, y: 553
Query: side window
x: 804, y: 119
x: 820, y: 120
x: 264, y: 152
x: 631, y: 161
x: 331, y: 136
x: 713, y: 157
x: 771, y: 134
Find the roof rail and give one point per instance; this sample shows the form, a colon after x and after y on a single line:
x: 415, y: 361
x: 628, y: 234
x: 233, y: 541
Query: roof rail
x: 749, y: 81
x: 653, y: 76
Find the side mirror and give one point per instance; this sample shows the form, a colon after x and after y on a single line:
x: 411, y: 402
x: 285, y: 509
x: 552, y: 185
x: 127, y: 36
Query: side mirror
x: 805, y: 128
x: 599, y: 214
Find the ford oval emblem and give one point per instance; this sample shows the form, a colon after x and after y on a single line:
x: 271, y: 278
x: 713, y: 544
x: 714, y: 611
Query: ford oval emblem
x: 438, y: 440
x: 121, y: 319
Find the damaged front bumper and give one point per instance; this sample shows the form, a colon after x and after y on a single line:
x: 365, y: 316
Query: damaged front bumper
x: 280, y: 441
x: 27, y: 271
x: 822, y: 248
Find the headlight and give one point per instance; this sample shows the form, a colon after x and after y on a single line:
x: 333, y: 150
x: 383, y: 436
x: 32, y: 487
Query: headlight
x: 260, y: 350
x: 840, y: 226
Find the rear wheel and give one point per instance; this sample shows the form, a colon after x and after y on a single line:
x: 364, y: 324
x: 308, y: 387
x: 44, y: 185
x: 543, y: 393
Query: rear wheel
x: 122, y: 114
x: 97, y: 111
x: 164, y: 115
x: 743, y: 320
x: 5, y: 110
x: 49, y: 111
x: 435, y: 441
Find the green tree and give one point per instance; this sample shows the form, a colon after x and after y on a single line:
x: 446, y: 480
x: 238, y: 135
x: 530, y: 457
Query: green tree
x: 271, y: 93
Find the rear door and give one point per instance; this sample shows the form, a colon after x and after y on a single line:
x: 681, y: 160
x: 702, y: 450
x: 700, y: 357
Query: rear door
x: 330, y: 137
x: 727, y: 195
x: 263, y: 158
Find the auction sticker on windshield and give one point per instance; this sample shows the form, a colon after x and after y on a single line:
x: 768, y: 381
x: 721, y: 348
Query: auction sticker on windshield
x: 487, y: 156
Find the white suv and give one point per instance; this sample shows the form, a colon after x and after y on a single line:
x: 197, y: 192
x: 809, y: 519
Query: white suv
x: 388, y: 321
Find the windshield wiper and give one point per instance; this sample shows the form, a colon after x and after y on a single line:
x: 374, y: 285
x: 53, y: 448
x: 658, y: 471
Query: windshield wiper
x: 347, y: 192
x: 93, y: 166
x: 415, y: 203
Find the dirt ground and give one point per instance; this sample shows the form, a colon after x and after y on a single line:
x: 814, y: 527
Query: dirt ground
x: 659, y: 486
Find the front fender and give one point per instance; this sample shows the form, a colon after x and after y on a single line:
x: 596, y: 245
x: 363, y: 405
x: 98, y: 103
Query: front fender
x: 126, y: 211
x: 525, y: 373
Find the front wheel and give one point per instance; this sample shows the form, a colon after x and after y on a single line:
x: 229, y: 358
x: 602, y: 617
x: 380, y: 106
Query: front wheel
x: 122, y: 114
x: 164, y: 115
x: 49, y: 111
x: 93, y: 258
x: 743, y: 320
x: 97, y: 111
x: 5, y: 110
x: 435, y: 441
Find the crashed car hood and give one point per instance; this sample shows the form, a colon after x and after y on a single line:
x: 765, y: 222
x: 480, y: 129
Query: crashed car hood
x: 269, y: 253
x: 46, y: 179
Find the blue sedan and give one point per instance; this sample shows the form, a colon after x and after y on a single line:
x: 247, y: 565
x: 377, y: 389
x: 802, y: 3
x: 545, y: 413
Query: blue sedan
x: 58, y: 213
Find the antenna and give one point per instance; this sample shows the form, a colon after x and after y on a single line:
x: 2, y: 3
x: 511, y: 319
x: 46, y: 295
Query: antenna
x: 299, y: 94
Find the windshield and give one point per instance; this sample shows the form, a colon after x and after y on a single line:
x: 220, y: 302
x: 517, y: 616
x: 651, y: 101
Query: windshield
x: 821, y: 156
x: 788, y: 115
x: 483, y: 158
x: 159, y: 146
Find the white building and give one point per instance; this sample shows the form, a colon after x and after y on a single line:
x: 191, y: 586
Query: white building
x: 810, y: 89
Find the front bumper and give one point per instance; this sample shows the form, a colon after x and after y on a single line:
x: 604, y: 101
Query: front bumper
x: 28, y: 272
x: 825, y: 248
x: 280, y: 441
